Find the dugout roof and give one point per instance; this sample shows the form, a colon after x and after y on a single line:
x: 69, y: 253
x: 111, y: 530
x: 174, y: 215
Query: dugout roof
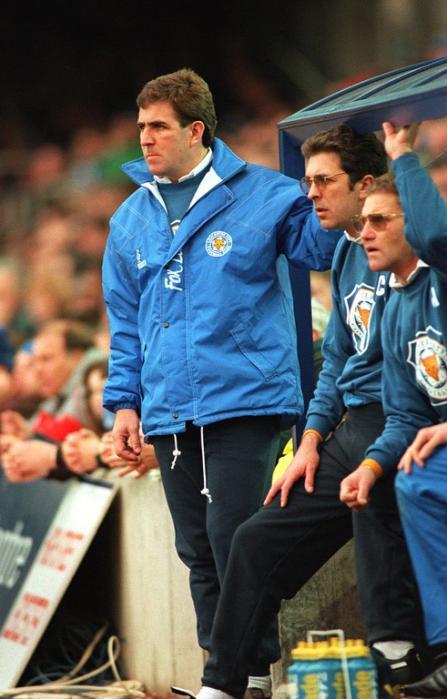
x: 403, y: 96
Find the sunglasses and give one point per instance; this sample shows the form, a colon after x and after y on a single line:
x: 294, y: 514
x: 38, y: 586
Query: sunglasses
x: 320, y: 181
x: 378, y: 222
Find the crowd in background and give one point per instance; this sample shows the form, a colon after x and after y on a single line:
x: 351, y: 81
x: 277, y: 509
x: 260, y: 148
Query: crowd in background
x: 55, y: 205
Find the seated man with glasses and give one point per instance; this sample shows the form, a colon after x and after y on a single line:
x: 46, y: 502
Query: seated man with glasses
x: 318, y: 180
x: 414, y: 380
x: 304, y: 522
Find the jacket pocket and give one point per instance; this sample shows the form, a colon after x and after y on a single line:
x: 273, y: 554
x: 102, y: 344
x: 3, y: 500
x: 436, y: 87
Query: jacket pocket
x: 249, y: 347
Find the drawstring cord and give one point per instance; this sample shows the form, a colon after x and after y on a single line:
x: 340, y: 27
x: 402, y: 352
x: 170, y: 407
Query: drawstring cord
x: 176, y: 453
x: 205, y: 489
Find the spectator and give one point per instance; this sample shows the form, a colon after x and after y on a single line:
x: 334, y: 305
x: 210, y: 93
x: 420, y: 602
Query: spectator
x: 29, y: 447
x: 22, y: 393
x: 83, y: 451
x: 13, y: 316
x: 84, y: 153
x: 80, y: 450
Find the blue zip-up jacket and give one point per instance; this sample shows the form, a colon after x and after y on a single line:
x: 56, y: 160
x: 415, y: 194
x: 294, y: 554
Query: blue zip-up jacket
x: 352, y: 351
x: 201, y: 322
x: 414, y: 324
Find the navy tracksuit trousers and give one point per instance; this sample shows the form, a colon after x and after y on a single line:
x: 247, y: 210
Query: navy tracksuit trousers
x: 240, y: 456
x: 278, y: 549
x: 422, y: 498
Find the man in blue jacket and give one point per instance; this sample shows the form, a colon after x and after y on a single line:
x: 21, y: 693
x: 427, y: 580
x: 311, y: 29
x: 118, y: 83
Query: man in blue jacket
x: 280, y: 547
x: 415, y: 379
x: 421, y: 488
x: 203, y: 344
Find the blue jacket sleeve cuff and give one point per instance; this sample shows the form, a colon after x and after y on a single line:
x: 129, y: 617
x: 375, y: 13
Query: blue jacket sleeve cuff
x: 114, y: 407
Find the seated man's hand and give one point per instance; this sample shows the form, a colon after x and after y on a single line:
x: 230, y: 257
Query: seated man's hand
x: 425, y: 442
x: 355, y: 488
x: 79, y: 450
x: 28, y: 460
x: 13, y: 423
x: 304, y: 463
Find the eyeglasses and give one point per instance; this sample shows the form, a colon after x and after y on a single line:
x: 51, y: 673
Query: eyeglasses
x: 376, y: 221
x: 320, y: 181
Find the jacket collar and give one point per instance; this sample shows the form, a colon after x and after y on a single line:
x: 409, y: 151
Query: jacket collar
x: 396, y: 284
x: 225, y: 163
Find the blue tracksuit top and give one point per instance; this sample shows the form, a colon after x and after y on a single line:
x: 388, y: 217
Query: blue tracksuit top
x: 414, y: 324
x: 352, y: 350
x: 201, y: 323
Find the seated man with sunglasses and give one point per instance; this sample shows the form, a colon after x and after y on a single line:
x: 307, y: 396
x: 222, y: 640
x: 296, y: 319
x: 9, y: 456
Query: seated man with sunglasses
x: 304, y: 523
x: 414, y: 333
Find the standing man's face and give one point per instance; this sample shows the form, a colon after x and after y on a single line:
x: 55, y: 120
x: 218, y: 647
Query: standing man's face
x: 170, y: 149
x: 335, y: 202
x: 383, y: 235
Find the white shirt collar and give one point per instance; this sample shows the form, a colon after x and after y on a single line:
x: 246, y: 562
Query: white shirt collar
x: 396, y: 284
x: 351, y: 238
x: 195, y: 171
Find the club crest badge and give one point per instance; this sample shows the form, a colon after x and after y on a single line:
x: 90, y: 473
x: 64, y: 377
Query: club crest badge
x: 140, y: 262
x: 360, y: 305
x: 428, y: 356
x: 218, y: 243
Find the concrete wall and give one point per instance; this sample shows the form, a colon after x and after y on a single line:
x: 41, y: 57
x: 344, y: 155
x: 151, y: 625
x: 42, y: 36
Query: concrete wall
x: 327, y: 601
x: 153, y: 611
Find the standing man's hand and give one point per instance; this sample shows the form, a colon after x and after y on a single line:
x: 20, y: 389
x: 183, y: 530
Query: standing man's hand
x: 126, y: 435
x: 399, y: 141
x: 304, y: 464
x: 355, y: 488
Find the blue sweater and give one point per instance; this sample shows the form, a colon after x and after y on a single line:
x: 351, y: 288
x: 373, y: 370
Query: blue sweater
x: 352, y: 350
x: 414, y: 324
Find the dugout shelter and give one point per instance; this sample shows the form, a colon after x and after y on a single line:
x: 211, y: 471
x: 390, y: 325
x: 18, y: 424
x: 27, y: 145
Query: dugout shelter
x: 403, y: 96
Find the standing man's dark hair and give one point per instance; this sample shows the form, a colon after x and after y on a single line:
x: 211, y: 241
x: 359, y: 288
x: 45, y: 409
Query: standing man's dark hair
x: 188, y: 94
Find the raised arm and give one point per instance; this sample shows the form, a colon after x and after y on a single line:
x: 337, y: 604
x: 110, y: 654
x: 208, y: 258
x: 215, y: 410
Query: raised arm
x: 424, y: 208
